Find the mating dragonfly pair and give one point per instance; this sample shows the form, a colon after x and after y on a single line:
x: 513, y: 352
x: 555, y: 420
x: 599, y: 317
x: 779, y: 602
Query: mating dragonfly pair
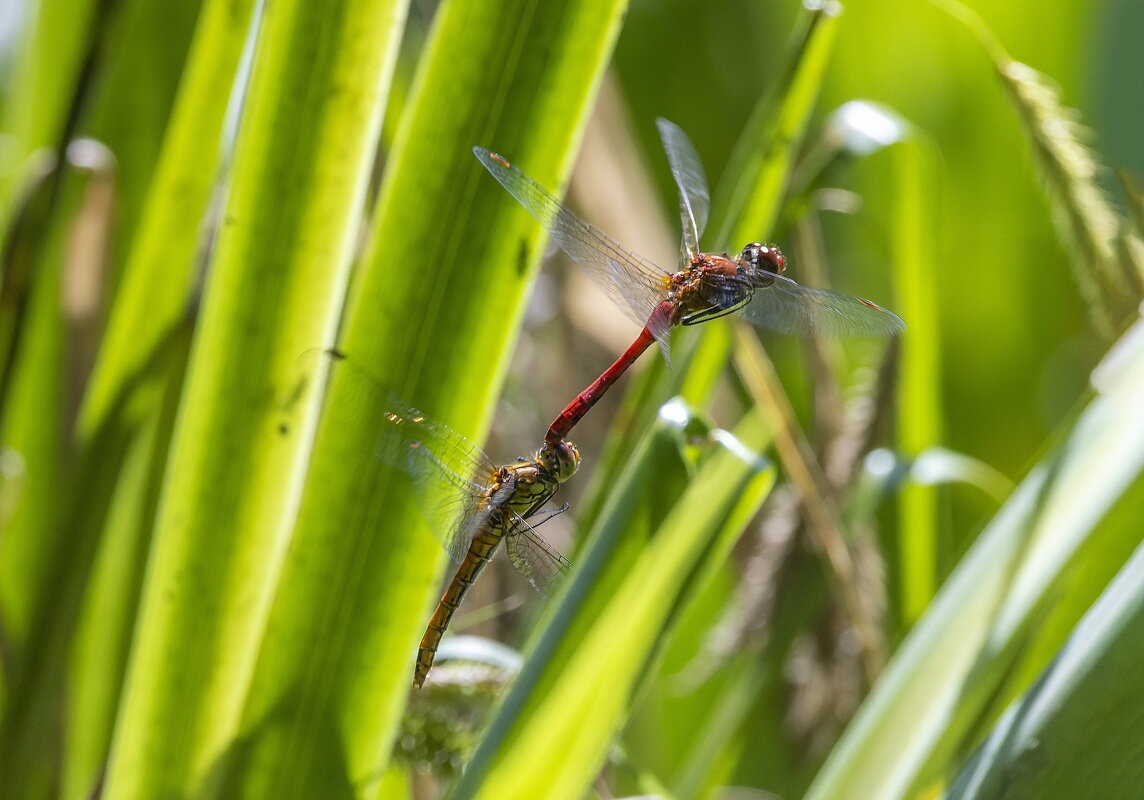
x: 489, y: 503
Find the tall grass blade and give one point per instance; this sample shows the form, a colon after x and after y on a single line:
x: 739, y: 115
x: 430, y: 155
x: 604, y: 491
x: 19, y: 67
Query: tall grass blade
x: 432, y: 314
x: 946, y: 676
x: 276, y: 285
x: 1082, y: 708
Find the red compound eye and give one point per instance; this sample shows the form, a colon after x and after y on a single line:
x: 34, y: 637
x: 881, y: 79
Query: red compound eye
x: 763, y: 256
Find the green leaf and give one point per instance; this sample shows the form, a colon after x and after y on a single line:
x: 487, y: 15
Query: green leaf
x: 948, y: 672
x: 432, y: 314
x: 160, y: 275
x: 302, y: 158
x: 921, y: 422
x: 108, y: 606
x: 747, y: 205
x: 47, y: 67
x: 1081, y: 710
x: 28, y: 571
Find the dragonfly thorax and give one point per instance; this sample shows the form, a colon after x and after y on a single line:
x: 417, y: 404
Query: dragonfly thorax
x: 711, y: 286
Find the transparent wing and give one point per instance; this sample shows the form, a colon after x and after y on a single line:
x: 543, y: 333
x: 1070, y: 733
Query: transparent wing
x: 694, y: 200
x: 450, y: 475
x: 786, y: 307
x: 635, y: 284
x: 535, y: 558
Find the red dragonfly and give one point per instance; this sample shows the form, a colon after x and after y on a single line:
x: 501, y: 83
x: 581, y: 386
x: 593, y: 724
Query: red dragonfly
x: 707, y: 285
x: 470, y: 502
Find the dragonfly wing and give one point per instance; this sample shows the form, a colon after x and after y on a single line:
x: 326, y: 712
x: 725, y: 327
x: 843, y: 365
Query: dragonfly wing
x: 449, y: 474
x: 694, y: 199
x: 535, y: 558
x: 786, y: 307
x: 455, y: 508
x: 635, y: 284
x: 660, y: 324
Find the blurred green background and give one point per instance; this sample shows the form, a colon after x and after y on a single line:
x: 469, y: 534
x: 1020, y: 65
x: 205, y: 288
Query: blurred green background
x: 503, y: 349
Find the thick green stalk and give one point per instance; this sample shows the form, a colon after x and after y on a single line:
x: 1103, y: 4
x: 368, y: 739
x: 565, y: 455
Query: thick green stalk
x: 301, y: 163
x: 433, y: 314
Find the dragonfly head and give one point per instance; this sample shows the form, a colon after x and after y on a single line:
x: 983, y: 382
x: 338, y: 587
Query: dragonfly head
x: 561, y: 457
x: 764, y: 257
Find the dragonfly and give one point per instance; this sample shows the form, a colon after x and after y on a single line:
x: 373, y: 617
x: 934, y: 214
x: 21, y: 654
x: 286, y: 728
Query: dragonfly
x: 706, y: 286
x: 474, y: 505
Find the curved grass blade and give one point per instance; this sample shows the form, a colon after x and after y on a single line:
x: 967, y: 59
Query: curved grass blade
x: 1081, y: 707
x: 946, y: 676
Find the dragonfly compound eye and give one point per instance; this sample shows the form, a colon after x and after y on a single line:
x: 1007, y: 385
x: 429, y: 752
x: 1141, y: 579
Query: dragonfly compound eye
x: 567, y: 460
x: 764, y: 257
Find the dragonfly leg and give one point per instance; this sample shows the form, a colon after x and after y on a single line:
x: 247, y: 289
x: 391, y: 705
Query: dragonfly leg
x: 543, y: 515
